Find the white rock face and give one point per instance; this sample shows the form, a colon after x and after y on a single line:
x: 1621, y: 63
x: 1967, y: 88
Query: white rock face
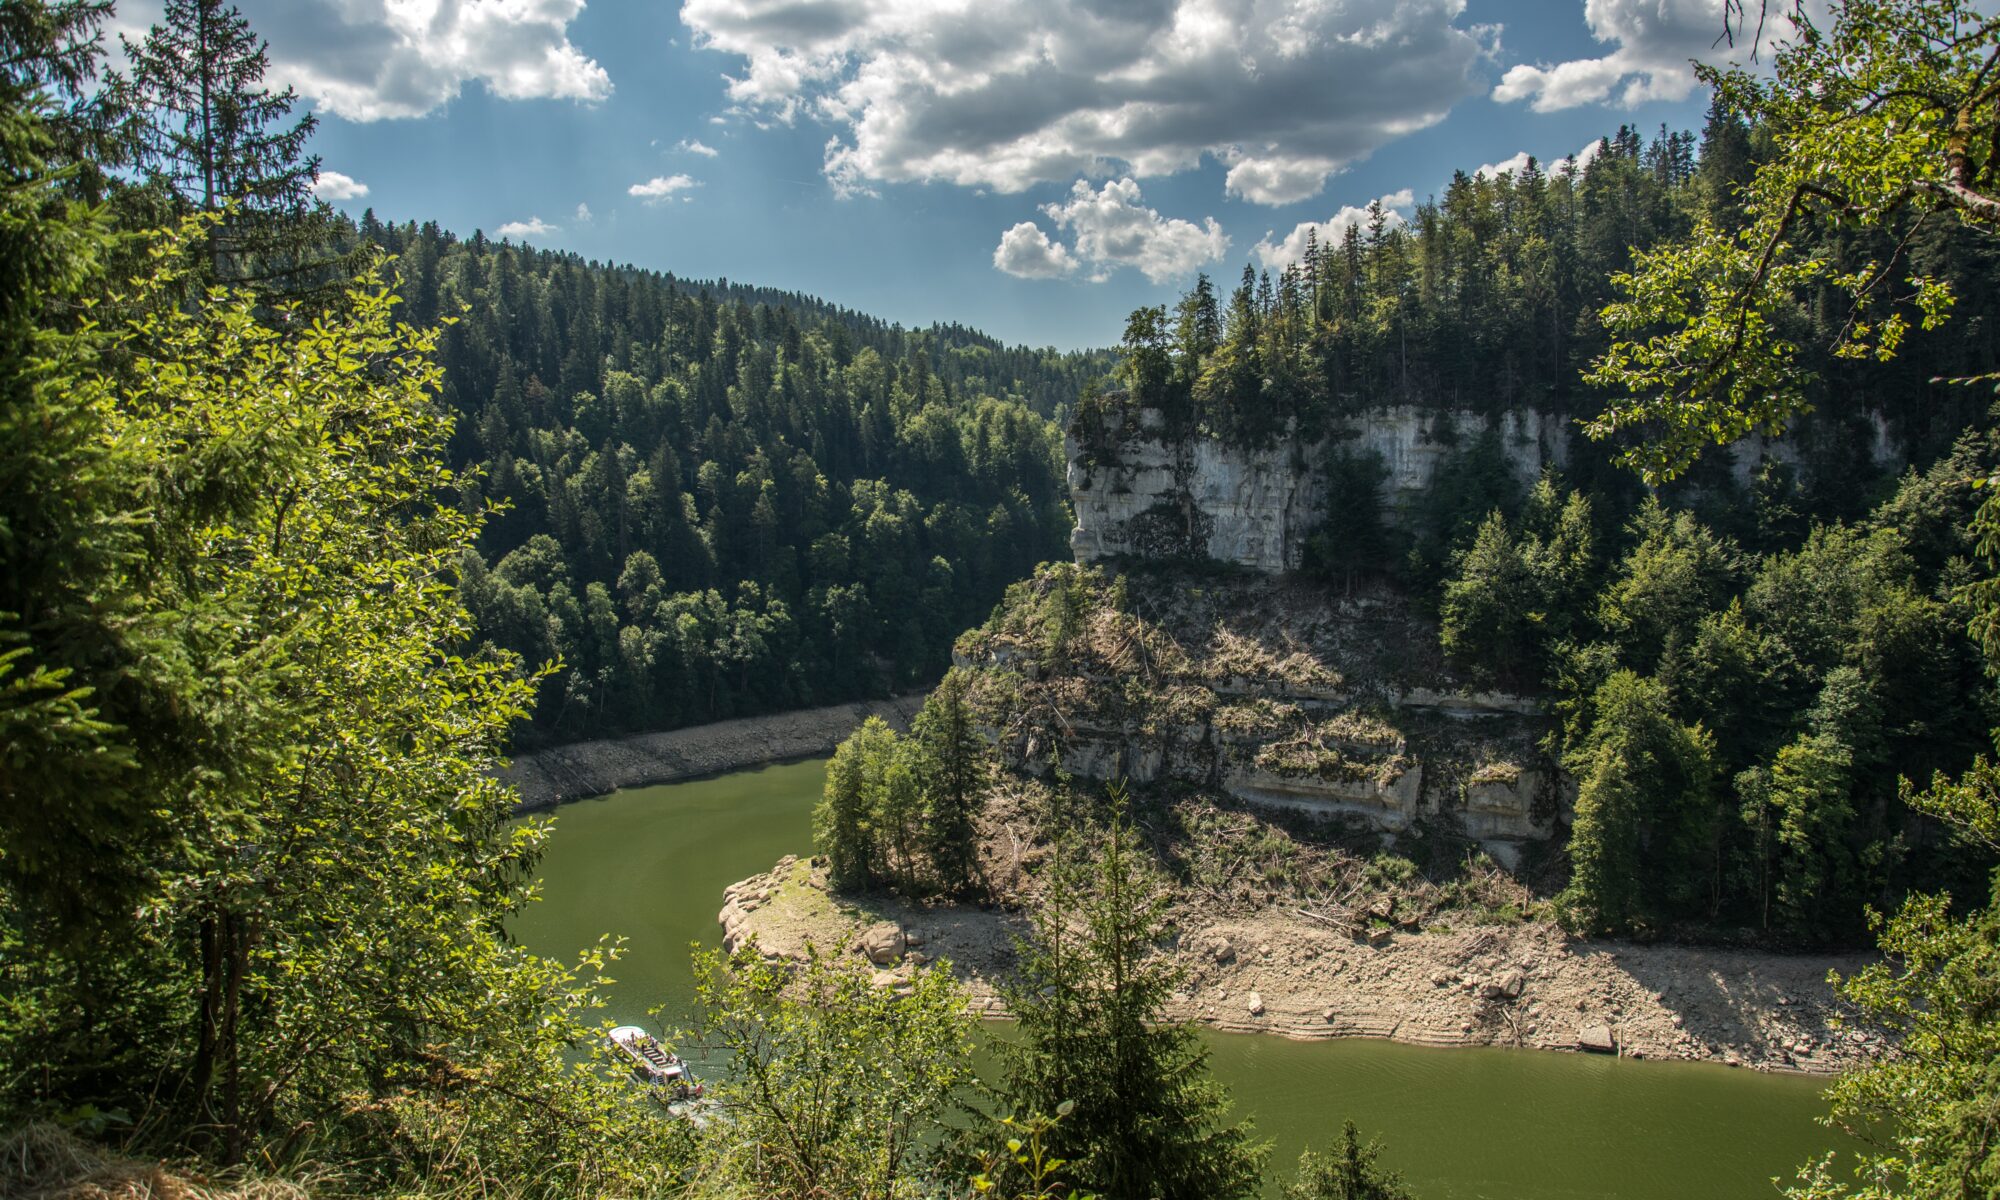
x: 1254, y: 507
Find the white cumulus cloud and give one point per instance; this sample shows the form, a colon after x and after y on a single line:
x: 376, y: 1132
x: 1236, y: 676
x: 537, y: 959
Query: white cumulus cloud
x: 1011, y: 93
x: 1027, y: 253
x: 694, y: 146
x: 532, y: 227
x: 583, y: 214
x: 334, y: 185
x: 662, y: 187
x: 1515, y: 165
x: 367, y: 60
x: 1651, y: 44
x: 1110, y: 228
x: 1278, y: 255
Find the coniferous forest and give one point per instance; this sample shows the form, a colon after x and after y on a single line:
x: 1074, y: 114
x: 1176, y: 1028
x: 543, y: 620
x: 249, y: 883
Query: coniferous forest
x: 308, y: 524
x: 717, y: 500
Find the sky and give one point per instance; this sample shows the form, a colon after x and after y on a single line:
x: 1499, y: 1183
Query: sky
x: 1032, y: 168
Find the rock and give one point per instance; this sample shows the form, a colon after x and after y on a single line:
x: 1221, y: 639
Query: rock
x: 1255, y: 1004
x: 883, y: 943
x: 1329, y: 1015
x: 883, y: 979
x: 1513, y: 983
x: 1597, y: 1039
x: 1221, y: 950
x: 912, y: 937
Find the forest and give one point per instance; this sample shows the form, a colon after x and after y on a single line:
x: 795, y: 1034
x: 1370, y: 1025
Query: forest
x: 711, y: 501
x: 307, y: 524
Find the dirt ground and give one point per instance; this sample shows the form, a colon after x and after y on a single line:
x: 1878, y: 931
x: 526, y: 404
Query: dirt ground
x: 1526, y: 984
x: 573, y: 772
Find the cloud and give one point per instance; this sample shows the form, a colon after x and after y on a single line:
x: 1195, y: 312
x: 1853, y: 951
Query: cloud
x: 1514, y: 165
x: 367, y: 60
x: 333, y: 185
x: 1651, y: 42
x: 1027, y: 253
x: 1519, y: 162
x: 661, y: 187
x: 532, y: 227
x: 1285, y: 92
x: 693, y: 146
x: 1278, y: 255
x: 1112, y: 228
x: 583, y: 214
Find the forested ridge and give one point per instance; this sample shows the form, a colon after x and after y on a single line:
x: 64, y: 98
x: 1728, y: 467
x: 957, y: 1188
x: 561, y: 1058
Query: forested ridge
x: 1489, y: 298
x: 720, y: 500
x: 282, y: 559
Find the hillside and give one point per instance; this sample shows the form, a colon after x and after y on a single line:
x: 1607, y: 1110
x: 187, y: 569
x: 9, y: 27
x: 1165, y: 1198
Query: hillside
x: 721, y: 500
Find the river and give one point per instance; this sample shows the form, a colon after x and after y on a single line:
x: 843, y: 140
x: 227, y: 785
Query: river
x: 1462, y: 1124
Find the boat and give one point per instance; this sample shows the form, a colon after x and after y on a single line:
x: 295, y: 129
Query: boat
x: 655, y: 1066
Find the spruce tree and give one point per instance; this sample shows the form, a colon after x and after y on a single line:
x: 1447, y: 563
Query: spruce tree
x: 1349, y: 1173
x: 206, y: 130
x: 954, y: 761
x: 1146, y: 1121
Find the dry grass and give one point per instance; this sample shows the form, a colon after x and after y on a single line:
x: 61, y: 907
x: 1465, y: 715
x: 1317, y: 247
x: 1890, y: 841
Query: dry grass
x: 47, y: 1162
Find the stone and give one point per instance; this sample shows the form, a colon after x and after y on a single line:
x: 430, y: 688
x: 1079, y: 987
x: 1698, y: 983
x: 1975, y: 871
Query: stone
x: 1221, y: 950
x: 1597, y: 1039
x: 1329, y: 1015
x: 1513, y: 983
x: 913, y: 937
x: 883, y: 943
x: 1255, y: 1004
x: 883, y: 979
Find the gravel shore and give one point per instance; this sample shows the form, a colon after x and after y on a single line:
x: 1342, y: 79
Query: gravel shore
x: 584, y: 769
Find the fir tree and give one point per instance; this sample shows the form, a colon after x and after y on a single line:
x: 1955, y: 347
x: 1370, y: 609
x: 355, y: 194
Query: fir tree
x: 1146, y: 1122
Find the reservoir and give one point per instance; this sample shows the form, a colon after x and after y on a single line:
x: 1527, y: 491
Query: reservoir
x: 1461, y: 1124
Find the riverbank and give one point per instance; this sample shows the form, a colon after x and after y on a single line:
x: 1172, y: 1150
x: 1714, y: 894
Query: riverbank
x: 1526, y: 984
x: 580, y: 770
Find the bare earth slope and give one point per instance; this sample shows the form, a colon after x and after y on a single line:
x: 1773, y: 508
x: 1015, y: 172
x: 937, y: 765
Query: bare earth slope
x: 1526, y: 984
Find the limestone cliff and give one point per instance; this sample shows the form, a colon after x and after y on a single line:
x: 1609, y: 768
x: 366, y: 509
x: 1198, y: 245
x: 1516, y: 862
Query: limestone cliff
x: 1139, y: 493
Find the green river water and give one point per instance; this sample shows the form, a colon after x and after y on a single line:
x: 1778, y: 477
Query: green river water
x: 1470, y: 1124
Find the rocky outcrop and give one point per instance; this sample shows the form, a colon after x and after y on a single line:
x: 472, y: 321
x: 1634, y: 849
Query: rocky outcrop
x: 1148, y: 496
x: 1142, y: 494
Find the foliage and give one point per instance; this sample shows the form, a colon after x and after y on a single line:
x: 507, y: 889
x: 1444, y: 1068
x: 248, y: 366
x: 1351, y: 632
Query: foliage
x: 203, y: 129
x: 308, y: 956
x: 1931, y: 1113
x: 723, y: 500
x: 1880, y: 123
x: 1023, y: 1168
x: 900, y: 811
x: 1145, y: 1120
x: 1349, y: 1173
x: 1643, y: 842
x: 834, y: 1085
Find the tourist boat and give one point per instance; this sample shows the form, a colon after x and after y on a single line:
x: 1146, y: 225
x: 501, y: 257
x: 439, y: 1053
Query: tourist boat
x: 654, y: 1065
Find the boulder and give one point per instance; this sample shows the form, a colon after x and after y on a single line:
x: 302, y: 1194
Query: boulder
x: 1596, y: 1039
x: 1512, y: 983
x: 1255, y: 1004
x: 1221, y: 950
x: 884, y: 943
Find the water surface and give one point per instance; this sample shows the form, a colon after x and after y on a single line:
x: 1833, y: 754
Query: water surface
x: 1466, y: 1124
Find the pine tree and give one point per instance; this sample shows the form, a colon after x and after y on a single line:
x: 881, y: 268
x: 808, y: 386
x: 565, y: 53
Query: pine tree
x: 1146, y: 1122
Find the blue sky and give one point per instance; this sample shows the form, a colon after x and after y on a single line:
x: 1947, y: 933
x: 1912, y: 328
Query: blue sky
x: 1032, y: 168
